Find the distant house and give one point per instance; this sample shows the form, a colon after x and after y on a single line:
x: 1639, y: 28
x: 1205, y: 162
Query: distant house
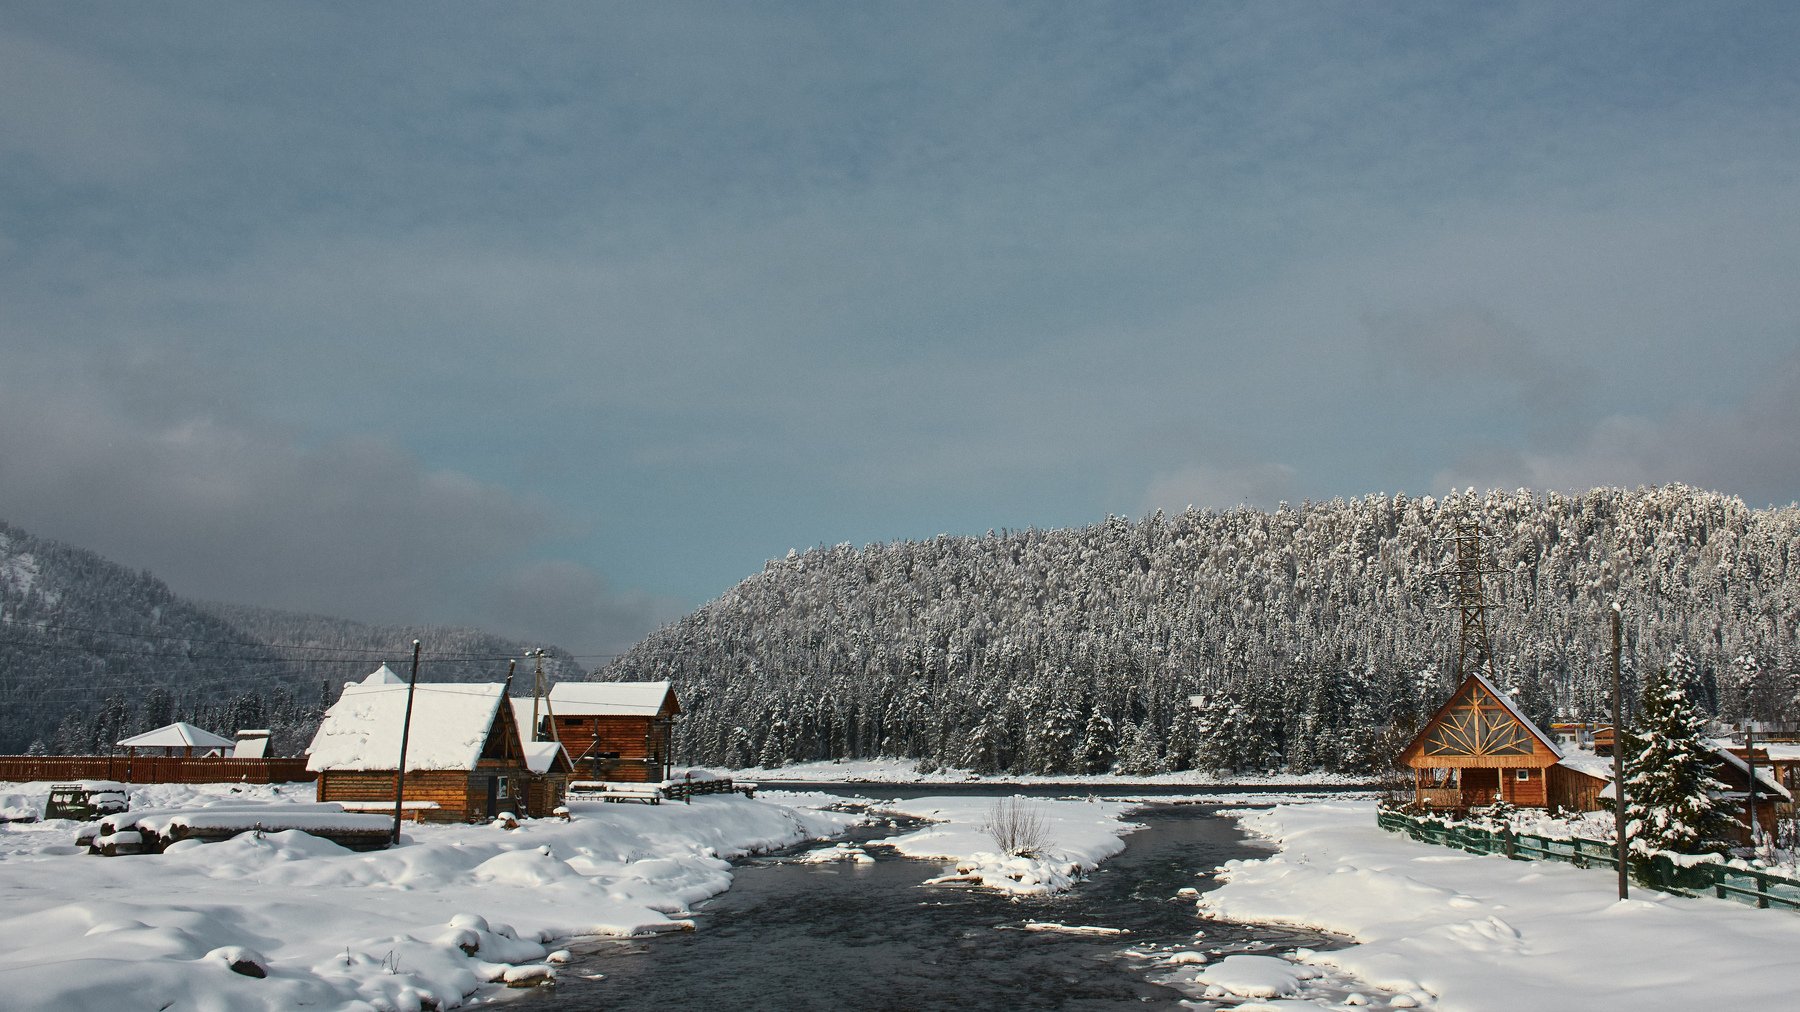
x: 1479, y: 748
x: 614, y: 730
x: 464, y: 757
x: 178, y: 739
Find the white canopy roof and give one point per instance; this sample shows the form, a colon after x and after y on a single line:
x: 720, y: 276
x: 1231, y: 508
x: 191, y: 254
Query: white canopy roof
x: 450, y: 723
x: 180, y: 734
x: 383, y: 675
x: 610, y: 699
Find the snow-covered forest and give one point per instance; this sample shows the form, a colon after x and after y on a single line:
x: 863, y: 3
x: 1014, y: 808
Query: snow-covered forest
x: 1312, y: 632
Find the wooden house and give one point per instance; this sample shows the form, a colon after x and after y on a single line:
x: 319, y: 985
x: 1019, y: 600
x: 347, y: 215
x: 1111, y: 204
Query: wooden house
x: 464, y: 759
x: 1479, y: 748
x: 614, y: 730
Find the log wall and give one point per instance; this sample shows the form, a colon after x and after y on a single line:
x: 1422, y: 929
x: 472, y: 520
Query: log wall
x: 642, y: 744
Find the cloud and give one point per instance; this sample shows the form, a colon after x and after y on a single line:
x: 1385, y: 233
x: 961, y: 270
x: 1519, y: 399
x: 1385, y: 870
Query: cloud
x: 1751, y: 448
x: 565, y: 602
x: 1222, y: 487
x: 228, y: 508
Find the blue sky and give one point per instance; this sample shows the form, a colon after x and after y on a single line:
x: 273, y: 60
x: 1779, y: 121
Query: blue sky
x: 561, y: 319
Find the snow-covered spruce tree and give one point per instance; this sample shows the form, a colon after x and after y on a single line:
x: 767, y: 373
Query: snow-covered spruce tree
x: 1098, y: 744
x: 1673, y: 802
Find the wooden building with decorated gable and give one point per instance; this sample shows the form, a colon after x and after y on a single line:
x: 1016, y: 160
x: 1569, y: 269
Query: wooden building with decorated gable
x: 465, y: 760
x: 1478, y: 748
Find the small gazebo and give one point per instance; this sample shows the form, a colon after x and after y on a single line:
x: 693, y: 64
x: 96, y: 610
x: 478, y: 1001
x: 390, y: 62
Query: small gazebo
x: 180, y: 739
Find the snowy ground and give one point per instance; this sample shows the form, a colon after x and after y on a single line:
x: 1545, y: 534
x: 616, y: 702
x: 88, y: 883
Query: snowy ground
x: 1486, y: 933
x: 451, y: 914
x: 906, y: 771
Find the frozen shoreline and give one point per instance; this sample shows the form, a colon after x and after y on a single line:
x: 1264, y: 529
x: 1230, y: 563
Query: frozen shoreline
x: 389, y: 929
x: 905, y: 771
x: 1486, y: 934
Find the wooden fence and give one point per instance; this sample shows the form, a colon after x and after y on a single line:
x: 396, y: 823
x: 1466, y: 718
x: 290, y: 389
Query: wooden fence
x: 1742, y: 884
x: 152, y: 769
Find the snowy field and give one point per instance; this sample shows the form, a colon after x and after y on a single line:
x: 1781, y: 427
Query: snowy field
x: 906, y: 771
x: 451, y: 915
x: 1485, y: 934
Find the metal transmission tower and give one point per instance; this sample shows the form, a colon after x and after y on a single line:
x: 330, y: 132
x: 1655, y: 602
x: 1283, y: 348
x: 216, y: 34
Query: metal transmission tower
x: 1471, y: 604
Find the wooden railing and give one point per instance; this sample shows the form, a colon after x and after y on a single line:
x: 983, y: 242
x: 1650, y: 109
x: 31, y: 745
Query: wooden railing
x: 152, y: 769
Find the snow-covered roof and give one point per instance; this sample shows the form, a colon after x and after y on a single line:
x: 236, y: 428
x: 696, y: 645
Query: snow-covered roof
x: 450, y: 723
x: 1765, y: 777
x: 539, y: 755
x: 383, y: 675
x: 608, y: 699
x: 180, y: 734
x: 1585, y: 762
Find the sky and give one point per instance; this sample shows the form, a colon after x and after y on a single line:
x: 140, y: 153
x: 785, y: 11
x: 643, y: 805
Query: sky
x: 562, y: 319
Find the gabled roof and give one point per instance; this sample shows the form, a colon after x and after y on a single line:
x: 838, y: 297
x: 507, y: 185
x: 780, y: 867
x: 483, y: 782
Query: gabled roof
x: 180, y: 734
x: 613, y: 699
x: 450, y: 724
x: 1506, y: 704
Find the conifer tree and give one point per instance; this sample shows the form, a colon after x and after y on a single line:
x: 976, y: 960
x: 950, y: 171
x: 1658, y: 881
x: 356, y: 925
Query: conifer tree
x: 1673, y: 803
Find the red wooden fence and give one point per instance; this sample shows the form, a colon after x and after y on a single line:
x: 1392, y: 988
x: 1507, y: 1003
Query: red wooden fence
x: 152, y: 769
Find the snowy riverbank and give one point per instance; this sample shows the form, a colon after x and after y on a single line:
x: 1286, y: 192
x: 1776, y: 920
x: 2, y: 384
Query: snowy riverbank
x: 906, y: 771
x: 1485, y: 934
x: 336, y: 929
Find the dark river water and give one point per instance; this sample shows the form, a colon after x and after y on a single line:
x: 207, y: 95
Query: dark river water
x: 872, y: 936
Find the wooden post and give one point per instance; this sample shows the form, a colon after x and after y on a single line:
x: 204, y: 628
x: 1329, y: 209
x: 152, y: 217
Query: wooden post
x: 1618, y: 759
x: 405, y: 730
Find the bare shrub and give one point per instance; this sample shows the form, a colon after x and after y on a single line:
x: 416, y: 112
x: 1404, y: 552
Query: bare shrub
x: 1017, y: 828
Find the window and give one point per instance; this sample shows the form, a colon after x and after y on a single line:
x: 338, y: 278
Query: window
x: 500, y: 787
x: 1522, y: 774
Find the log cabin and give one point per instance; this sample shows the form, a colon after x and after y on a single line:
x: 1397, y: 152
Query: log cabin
x: 464, y: 757
x: 619, y: 731
x: 1479, y: 748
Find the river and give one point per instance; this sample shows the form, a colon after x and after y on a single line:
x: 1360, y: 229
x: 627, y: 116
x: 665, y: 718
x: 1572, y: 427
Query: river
x: 796, y: 936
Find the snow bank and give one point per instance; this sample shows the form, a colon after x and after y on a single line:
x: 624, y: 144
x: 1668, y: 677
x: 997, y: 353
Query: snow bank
x: 906, y: 771
x: 1486, y: 933
x: 452, y: 911
x: 1077, y: 836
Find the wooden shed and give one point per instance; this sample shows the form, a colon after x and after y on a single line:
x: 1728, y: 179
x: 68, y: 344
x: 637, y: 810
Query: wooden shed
x: 464, y: 760
x: 547, y: 783
x: 616, y: 730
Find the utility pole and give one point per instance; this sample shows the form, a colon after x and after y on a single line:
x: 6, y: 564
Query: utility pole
x: 537, y: 691
x: 1618, y: 759
x: 405, y: 730
x: 1750, y: 761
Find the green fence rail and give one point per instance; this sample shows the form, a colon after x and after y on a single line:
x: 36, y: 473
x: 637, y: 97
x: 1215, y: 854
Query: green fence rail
x: 1742, y: 884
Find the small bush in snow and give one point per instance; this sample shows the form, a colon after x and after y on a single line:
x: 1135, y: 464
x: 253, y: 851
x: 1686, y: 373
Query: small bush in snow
x: 1017, y: 828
